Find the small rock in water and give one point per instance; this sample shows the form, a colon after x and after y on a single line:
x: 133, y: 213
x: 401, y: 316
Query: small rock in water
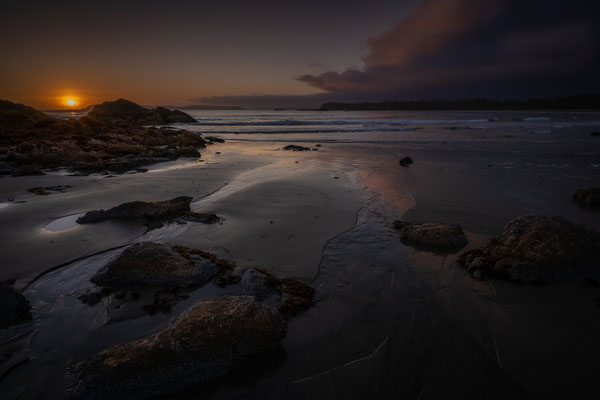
x: 206, y: 342
x: 595, y: 134
x: 588, y: 198
x: 406, y: 161
x: 293, y: 147
x: 434, y: 237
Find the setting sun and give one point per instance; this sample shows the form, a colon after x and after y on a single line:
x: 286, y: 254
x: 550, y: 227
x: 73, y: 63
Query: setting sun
x: 71, y: 102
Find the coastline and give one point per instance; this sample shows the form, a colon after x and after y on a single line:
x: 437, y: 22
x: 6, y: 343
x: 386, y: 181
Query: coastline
x: 383, y: 309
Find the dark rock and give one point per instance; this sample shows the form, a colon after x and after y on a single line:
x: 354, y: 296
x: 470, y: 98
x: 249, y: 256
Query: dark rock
x: 40, y: 191
x: 174, y: 116
x: 203, y: 218
x: 215, y: 139
x: 293, y: 147
x: 173, y: 208
x: 124, y: 110
x: 538, y: 248
x: 6, y: 169
x: 44, y: 191
x: 595, y: 134
x: 94, y: 297
x: 112, y: 138
x: 224, y: 277
x: 434, y: 237
x: 291, y: 296
x: 406, y: 161
x: 207, y: 341
x: 14, y: 307
x: 188, y: 151
x: 28, y: 172
x: 589, y: 198
x: 156, y: 264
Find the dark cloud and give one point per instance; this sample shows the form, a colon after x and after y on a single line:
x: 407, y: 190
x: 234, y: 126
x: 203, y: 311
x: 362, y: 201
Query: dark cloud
x: 453, y: 48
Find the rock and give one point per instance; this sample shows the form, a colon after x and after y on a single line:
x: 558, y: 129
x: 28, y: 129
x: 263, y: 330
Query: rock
x: 257, y: 284
x: 206, y: 342
x: 293, y: 147
x: 406, y: 161
x: 215, y: 139
x: 39, y: 191
x: 28, y: 172
x: 174, y: 116
x: 589, y: 198
x: 6, y: 169
x: 156, y: 264
x: 152, y: 210
x: 14, y: 307
x: 289, y: 295
x: 94, y: 297
x: 188, y: 151
x: 434, y: 237
x: 203, y: 218
x: 112, y: 138
x: 19, y: 114
x: 595, y: 134
x: 125, y: 110
x: 538, y: 248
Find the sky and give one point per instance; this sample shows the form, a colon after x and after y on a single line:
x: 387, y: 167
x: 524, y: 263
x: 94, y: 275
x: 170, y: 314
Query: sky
x: 264, y: 54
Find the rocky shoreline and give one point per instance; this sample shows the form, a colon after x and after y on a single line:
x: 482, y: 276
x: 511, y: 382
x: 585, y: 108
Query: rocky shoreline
x: 114, y: 137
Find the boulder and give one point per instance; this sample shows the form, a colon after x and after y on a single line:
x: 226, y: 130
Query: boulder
x: 406, y: 161
x: 156, y: 264
x: 215, y: 139
x: 588, y: 198
x: 152, y: 210
x: 434, y: 237
x: 290, y: 296
x: 125, y: 110
x: 537, y: 248
x: 206, y: 342
x: 14, y: 307
x: 174, y: 116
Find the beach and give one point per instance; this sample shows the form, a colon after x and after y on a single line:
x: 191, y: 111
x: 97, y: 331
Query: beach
x: 389, y: 320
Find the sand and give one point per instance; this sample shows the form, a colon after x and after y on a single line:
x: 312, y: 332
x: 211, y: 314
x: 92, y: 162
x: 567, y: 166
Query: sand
x: 390, y: 322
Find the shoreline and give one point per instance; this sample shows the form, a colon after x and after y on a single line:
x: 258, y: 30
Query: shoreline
x: 383, y: 309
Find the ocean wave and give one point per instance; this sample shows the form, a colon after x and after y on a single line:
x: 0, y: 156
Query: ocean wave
x: 279, y: 131
x: 292, y: 122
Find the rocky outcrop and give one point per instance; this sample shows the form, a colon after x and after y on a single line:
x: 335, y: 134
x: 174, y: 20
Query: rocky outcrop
x: 174, y: 116
x: 147, y: 210
x: 434, y: 237
x: 206, y: 342
x: 588, y: 198
x: 33, y: 140
x: 156, y: 264
x: 537, y: 248
x: 290, y: 296
x: 14, y: 307
x: 125, y: 110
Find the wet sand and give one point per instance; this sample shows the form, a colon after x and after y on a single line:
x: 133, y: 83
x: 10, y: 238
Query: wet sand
x: 390, y: 322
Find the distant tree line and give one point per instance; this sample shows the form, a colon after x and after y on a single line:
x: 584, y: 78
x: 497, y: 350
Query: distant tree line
x: 581, y: 102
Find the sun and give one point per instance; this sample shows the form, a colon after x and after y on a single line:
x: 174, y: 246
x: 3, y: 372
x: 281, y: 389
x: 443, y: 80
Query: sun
x: 71, y: 102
